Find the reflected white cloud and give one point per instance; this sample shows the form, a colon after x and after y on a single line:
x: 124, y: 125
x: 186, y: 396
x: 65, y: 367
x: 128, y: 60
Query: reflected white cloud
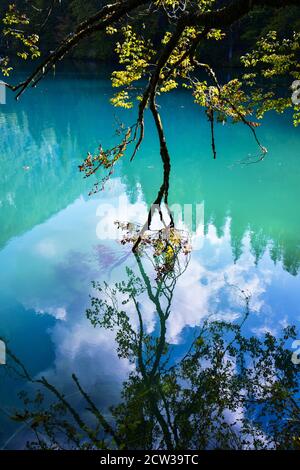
x: 89, y: 353
x: 59, y: 313
x: 214, y: 285
x: 46, y: 248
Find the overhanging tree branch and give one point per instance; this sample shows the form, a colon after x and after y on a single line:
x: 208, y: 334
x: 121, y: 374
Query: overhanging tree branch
x: 203, y: 21
x: 98, y: 22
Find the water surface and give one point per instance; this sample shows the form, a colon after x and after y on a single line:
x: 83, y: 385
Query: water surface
x: 52, y: 238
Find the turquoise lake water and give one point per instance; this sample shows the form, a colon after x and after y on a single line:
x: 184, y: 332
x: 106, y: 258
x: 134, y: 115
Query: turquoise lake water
x: 53, y: 238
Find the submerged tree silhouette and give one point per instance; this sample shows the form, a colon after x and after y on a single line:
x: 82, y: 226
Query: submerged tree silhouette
x: 226, y: 391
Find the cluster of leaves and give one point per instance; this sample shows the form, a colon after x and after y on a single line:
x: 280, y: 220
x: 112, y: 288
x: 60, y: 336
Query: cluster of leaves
x: 164, y: 245
x: 168, y: 244
x: 135, y: 53
x: 271, y: 59
x: 51, y: 425
x: 15, y: 29
x: 179, y: 63
x: 274, y: 56
x: 105, y: 159
x: 229, y: 101
x: 108, y: 310
x: 40, y: 415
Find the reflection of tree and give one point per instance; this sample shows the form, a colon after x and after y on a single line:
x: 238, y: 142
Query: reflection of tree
x: 225, y: 391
